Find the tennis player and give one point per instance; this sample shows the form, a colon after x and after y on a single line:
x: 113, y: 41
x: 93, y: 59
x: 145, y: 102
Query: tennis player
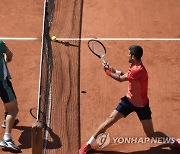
x: 8, y: 97
x: 136, y: 99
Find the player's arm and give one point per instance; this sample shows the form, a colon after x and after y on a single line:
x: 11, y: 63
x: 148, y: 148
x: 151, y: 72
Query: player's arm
x: 120, y: 78
x: 116, y: 74
x: 4, y: 50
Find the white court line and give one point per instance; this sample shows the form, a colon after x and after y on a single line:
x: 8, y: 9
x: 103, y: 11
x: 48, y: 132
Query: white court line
x: 17, y: 38
x: 102, y: 39
x: 120, y: 39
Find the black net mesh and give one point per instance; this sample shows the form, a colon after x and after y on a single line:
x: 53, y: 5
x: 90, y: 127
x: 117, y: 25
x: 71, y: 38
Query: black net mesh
x: 46, y: 66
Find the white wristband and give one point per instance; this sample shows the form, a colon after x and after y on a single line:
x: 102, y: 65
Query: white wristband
x: 118, y: 72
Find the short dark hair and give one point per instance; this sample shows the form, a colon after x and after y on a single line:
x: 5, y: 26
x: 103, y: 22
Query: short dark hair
x: 136, y: 50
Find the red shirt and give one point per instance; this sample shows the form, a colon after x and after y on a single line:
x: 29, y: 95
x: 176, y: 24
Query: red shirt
x: 138, y: 85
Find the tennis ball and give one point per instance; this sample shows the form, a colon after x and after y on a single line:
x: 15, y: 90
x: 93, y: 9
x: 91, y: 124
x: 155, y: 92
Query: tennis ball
x: 53, y: 38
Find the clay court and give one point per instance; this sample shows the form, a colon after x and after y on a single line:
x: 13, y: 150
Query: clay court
x: 75, y: 115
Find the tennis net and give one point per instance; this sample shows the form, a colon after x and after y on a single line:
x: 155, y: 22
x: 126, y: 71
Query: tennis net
x: 44, y: 96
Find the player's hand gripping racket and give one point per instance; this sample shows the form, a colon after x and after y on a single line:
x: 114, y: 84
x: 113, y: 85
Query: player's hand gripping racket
x: 98, y: 49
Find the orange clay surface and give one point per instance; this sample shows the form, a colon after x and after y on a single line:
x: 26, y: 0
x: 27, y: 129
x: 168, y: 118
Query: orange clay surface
x: 101, y: 19
x: 23, y: 19
x: 131, y: 19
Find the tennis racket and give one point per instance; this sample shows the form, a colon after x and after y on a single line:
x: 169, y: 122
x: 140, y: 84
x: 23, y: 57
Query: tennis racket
x: 98, y: 49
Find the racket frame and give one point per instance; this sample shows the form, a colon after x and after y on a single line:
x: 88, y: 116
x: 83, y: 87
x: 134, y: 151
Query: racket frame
x: 100, y: 57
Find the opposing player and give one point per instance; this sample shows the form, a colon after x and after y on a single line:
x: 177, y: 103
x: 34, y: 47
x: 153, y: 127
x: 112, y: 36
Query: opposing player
x: 136, y: 99
x: 8, y: 97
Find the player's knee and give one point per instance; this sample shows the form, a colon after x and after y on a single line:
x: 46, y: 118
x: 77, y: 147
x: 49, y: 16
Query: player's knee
x: 13, y: 111
x: 13, y: 108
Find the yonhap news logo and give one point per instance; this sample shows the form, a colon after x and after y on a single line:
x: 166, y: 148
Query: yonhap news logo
x: 104, y: 139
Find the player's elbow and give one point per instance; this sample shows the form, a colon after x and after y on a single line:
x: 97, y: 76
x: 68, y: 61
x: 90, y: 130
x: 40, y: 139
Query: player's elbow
x: 121, y: 80
x: 9, y: 55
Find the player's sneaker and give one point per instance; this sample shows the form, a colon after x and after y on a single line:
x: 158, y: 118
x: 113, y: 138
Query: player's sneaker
x: 176, y: 144
x: 16, y: 121
x: 84, y: 149
x: 9, y: 144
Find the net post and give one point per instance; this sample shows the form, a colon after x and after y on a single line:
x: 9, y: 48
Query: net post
x: 37, y: 138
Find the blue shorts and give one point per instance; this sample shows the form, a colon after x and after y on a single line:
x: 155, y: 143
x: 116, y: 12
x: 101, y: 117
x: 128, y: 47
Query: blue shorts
x: 125, y: 107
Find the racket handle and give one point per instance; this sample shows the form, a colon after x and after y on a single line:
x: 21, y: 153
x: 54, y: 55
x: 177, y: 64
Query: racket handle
x: 106, y: 66
x: 103, y: 61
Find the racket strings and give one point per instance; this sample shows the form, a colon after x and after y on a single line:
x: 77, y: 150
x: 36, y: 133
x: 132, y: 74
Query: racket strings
x: 97, y: 48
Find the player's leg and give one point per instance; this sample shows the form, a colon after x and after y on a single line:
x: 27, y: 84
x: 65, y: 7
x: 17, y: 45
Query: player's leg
x: 144, y: 115
x: 12, y: 109
x: 16, y: 121
x: 149, y: 130
x: 122, y: 110
x: 7, y: 141
x: 4, y: 121
x: 10, y: 104
x: 113, y: 118
x: 148, y: 127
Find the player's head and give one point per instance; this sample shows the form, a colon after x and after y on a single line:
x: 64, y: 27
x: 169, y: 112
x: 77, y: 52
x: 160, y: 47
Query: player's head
x: 136, y: 52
